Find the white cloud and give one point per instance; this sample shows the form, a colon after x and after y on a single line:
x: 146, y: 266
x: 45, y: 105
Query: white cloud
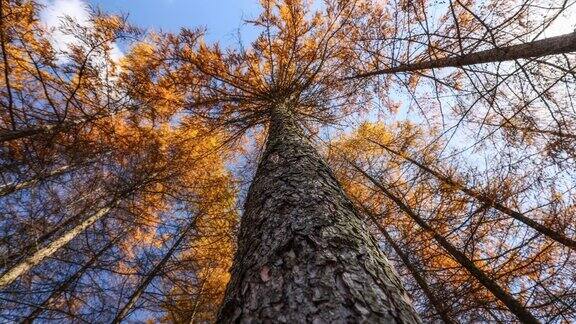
x: 54, y: 10
x: 52, y: 15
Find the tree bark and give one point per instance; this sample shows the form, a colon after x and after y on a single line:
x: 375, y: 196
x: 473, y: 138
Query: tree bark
x: 304, y: 254
x: 28, y: 263
x: 548, y: 46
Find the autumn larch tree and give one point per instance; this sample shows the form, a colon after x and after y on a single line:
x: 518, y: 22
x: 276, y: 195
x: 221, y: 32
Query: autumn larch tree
x: 91, y: 189
x: 301, y: 71
x: 115, y: 186
x: 304, y: 255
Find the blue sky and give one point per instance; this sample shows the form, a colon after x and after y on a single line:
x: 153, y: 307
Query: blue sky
x: 221, y: 17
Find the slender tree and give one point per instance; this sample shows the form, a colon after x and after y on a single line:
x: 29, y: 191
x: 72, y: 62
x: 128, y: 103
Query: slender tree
x: 489, y: 201
x: 133, y: 299
x: 68, y: 282
x: 538, y: 48
x: 514, y: 305
x: 464, y: 224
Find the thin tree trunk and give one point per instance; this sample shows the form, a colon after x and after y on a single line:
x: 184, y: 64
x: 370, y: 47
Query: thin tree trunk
x: 15, y: 186
x: 42, y: 239
x: 415, y: 272
x: 558, y: 237
x: 66, y: 284
x: 10, y: 135
x: 25, y: 265
x: 557, y: 133
x: 548, y: 46
x: 150, y: 276
x: 197, y: 302
x: 511, y: 303
x: 304, y: 254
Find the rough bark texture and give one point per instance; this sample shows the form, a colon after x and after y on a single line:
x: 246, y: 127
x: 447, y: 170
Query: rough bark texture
x: 304, y: 254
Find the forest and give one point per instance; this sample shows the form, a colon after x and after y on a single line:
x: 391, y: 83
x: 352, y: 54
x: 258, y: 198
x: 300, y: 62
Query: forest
x: 357, y: 161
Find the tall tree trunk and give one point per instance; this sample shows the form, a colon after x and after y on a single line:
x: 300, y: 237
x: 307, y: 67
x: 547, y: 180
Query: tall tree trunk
x: 35, y: 243
x: 550, y: 233
x: 515, y: 307
x: 51, y: 129
x: 47, y: 175
x: 28, y: 263
x: 16, y: 186
x: 304, y: 254
x: 151, y: 275
x: 548, y: 46
x: 197, y: 302
x: 66, y: 284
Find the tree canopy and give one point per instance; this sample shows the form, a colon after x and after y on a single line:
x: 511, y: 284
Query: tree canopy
x: 450, y: 125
